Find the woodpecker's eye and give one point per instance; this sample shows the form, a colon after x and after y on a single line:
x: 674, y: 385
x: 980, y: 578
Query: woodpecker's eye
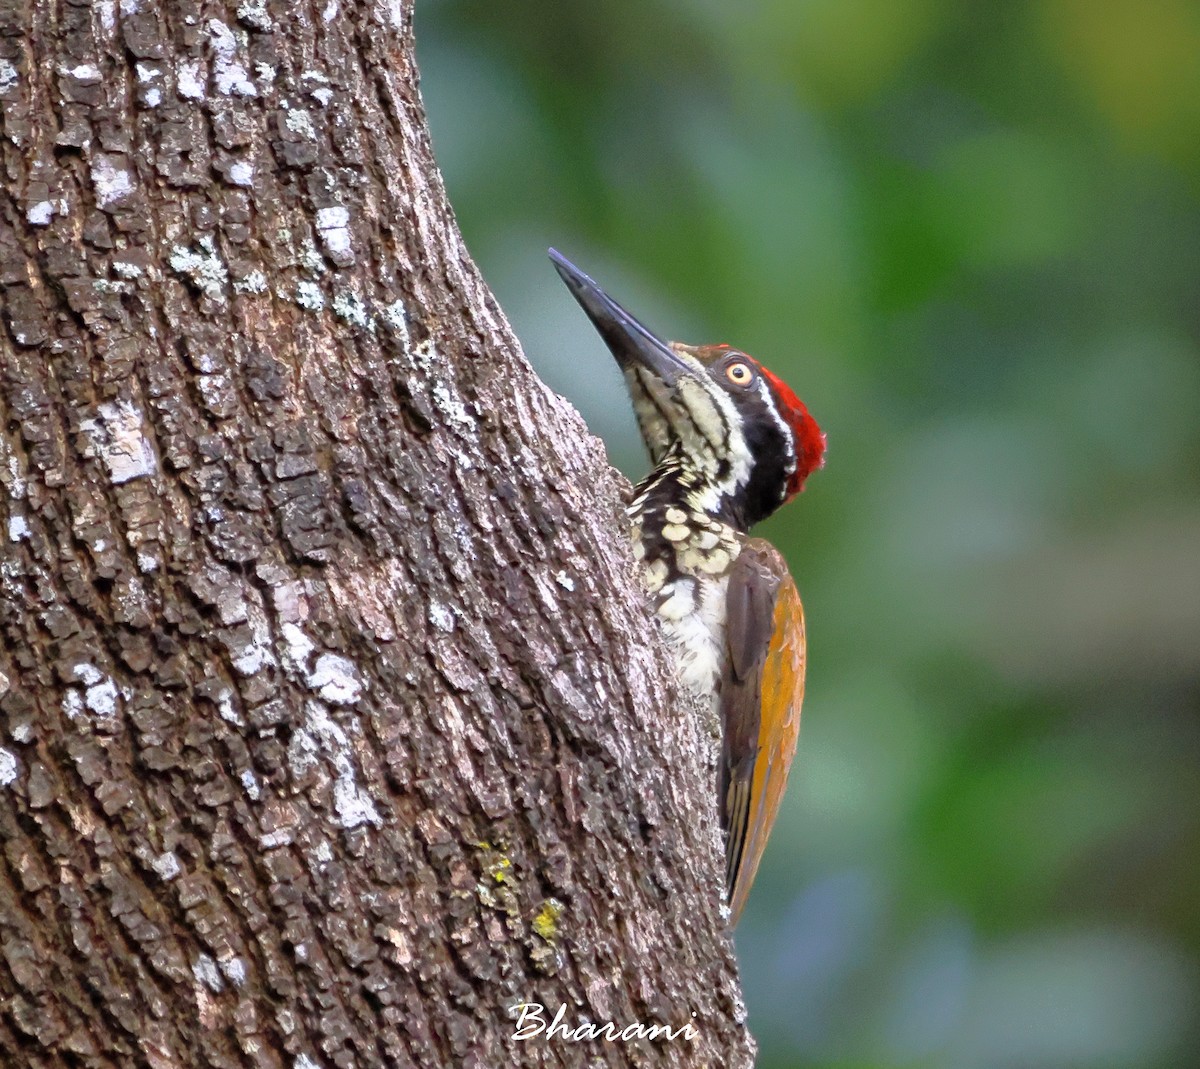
x: 739, y: 373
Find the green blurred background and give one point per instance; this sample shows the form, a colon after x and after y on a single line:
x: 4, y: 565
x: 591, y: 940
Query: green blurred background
x: 968, y: 234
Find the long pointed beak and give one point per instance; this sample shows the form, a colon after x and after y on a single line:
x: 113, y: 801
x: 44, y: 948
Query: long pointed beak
x: 631, y: 343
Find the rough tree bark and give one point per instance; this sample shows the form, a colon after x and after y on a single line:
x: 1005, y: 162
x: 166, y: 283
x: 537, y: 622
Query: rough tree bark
x: 333, y: 724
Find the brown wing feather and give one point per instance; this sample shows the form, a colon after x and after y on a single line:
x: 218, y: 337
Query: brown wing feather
x: 761, y: 693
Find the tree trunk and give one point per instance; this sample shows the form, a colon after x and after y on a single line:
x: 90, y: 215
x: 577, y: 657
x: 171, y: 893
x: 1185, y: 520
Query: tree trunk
x: 333, y: 724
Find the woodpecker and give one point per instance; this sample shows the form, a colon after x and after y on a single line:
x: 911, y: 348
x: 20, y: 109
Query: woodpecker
x: 729, y: 443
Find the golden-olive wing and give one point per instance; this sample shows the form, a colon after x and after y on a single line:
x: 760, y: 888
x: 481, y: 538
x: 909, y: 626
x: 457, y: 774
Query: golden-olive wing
x: 760, y: 698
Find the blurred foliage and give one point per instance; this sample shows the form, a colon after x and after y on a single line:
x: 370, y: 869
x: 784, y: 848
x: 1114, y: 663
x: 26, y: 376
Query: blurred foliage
x: 969, y: 235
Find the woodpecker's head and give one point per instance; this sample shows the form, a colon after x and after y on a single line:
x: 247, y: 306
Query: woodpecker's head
x: 736, y: 430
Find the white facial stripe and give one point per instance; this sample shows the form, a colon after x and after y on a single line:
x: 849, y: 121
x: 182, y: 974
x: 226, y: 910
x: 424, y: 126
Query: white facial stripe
x: 740, y: 460
x: 789, y: 442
